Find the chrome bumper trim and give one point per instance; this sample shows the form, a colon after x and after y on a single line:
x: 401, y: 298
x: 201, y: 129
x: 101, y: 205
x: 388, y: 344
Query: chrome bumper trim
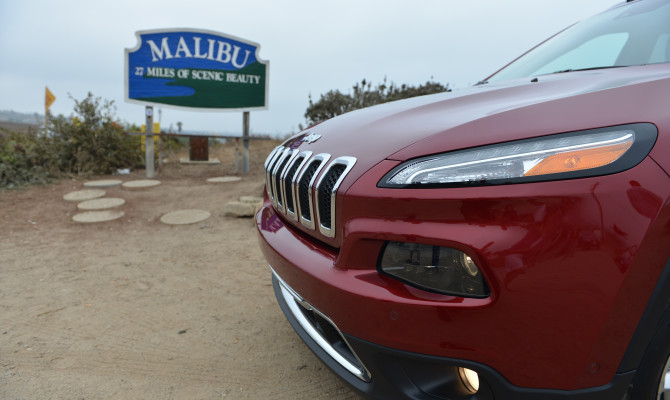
x: 294, y: 302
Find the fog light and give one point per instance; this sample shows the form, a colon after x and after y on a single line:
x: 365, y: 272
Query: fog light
x: 469, y: 378
x: 433, y: 268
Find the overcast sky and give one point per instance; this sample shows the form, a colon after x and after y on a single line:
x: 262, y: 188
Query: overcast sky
x: 76, y: 47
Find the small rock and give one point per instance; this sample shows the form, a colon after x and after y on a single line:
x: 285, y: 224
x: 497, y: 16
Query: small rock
x: 251, y: 199
x: 238, y: 209
x: 257, y: 207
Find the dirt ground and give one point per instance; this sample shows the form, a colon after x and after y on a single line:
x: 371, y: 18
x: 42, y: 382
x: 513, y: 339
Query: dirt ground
x: 136, y: 309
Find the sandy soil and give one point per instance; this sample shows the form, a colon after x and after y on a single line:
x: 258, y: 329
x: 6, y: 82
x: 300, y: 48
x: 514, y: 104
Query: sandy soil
x: 136, y: 309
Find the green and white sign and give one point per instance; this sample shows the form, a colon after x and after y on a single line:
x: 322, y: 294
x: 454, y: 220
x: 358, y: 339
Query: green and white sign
x: 188, y: 68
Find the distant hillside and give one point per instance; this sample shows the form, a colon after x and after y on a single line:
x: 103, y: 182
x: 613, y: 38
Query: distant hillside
x: 17, y: 127
x: 21, y: 118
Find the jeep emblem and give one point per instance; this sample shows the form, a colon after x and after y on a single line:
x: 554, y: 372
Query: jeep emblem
x: 311, y: 138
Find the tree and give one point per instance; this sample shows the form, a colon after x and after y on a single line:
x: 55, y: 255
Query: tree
x: 363, y: 95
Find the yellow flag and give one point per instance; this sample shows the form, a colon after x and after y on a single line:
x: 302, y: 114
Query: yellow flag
x: 49, y: 98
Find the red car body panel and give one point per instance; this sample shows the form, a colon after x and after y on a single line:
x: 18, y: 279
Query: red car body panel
x: 566, y: 295
x: 570, y: 264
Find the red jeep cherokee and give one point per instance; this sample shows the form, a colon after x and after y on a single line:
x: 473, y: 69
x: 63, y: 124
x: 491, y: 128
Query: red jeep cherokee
x: 506, y: 241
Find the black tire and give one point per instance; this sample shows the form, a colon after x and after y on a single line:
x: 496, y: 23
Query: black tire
x: 651, y: 374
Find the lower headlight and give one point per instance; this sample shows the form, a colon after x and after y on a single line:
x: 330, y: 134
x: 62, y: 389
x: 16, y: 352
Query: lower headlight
x: 433, y: 268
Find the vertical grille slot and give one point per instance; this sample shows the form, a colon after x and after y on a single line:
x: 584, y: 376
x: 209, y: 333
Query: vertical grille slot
x: 269, y: 166
x: 305, y: 186
x: 326, y: 187
x: 326, y: 192
x: 289, y: 183
x: 276, y: 178
x: 288, y: 193
x: 303, y: 190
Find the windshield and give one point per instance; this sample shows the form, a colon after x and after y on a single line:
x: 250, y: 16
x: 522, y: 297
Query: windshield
x: 635, y: 33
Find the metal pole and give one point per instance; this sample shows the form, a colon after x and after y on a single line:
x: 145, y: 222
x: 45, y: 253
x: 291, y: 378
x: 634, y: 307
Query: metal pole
x: 149, y: 142
x: 245, y: 142
x: 237, y: 155
x: 160, y: 141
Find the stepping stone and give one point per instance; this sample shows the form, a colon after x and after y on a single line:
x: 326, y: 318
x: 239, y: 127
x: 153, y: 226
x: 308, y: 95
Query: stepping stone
x: 224, y: 179
x: 101, y: 204
x: 142, y: 183
x: 185, y: 217
x: 97, y: 216
x: 86, y: 194
x: 104, y: 183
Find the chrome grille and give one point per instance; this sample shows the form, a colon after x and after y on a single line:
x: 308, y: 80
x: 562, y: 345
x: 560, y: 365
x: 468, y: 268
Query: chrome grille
x: 269, y: 166
x: 291, y: 183
x: 306, y: 181
x: 277, y: 171
x: 327, y: 185
x: 326, y: 191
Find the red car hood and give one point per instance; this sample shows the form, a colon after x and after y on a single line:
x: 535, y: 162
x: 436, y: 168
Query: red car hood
x: 494, y: 113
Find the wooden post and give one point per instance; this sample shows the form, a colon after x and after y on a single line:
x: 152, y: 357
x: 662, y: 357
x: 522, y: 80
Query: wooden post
x: 245, y: 142
x: 149, y: 142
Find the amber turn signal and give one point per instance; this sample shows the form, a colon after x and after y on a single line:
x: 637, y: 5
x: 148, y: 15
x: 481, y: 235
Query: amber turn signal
x: 580, y: 159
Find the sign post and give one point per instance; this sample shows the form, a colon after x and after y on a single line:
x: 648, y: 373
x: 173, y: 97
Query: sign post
x: 245, y: 142
x: 149, y: 142
x: 197, y: 70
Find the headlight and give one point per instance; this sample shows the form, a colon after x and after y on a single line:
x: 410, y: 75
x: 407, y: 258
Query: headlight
x: 564, y: 156
x: 433, y: 268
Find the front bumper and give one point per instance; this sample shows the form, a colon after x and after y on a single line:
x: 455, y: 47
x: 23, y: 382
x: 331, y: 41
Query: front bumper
x: 383, y: 373
x: 380, y: 372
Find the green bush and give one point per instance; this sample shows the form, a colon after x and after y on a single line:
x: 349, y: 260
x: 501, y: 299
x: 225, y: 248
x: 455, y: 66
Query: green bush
x: 89, y: 142
x: 92, y: 141
x: 26, y: 158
